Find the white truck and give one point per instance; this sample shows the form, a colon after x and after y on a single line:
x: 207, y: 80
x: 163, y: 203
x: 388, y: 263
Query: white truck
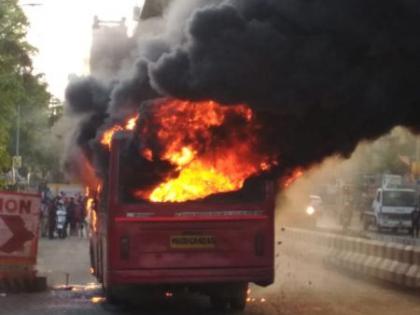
x: 391, y: 208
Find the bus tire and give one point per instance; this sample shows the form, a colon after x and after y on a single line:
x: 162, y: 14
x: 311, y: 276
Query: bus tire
x: 238, y: 303
x: 238, y: 300
x: 111, y: 297
x: 219, y: 303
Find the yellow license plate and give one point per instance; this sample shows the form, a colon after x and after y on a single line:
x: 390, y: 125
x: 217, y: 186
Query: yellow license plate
x: 192, y: 241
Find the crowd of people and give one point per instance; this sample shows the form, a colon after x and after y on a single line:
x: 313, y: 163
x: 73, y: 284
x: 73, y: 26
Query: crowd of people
x: 63, y: 215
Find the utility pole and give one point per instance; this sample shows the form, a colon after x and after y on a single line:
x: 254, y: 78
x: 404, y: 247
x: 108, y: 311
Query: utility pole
x: 18, y: 131
x: 17, y: 161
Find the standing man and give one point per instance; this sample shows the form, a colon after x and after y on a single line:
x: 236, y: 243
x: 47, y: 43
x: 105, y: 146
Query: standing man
x: 61, y: 220
x: 52, y: 217
x: 71, y: 216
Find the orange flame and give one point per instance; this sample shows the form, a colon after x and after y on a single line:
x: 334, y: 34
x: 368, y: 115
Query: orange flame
x: 207, y: 158
x: 205, y: 169
x: 91, y: 214
x: 107, y: 135
x: 297, y: 173
x: 131, y: 123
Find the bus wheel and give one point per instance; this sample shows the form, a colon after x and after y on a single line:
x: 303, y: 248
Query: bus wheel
x: 219, y: 303
x: 111, y: 296
x: 238, y: 301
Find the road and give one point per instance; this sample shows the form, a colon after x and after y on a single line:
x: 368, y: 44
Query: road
x: 303, y: 286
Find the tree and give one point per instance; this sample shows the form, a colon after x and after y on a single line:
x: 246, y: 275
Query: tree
x: 19, y: 88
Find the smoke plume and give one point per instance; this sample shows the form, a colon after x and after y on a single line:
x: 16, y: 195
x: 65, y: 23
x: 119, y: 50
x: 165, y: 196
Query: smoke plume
x: 321, y: 75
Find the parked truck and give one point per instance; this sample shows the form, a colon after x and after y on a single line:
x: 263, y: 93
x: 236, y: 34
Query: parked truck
x: 392, y: 206
x: 215, y: 246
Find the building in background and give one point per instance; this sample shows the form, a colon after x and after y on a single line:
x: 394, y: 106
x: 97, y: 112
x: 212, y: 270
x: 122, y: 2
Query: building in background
x: 153, y: 8
x: 110, y: 47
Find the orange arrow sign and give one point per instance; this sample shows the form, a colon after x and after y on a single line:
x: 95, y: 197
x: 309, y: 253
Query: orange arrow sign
x: 20, y: 234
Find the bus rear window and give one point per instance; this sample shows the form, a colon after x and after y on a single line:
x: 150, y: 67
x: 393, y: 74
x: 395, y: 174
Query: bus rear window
x: 133, y: 178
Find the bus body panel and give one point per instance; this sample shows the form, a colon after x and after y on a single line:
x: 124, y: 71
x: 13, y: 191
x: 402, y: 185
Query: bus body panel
x: 183, y: 243
x: 153, y: 245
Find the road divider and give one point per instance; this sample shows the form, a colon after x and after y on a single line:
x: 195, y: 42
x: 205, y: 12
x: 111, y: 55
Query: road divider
x: 390, y: 262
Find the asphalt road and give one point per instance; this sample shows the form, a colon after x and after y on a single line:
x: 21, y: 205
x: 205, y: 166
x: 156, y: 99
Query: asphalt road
x: 302, y: 286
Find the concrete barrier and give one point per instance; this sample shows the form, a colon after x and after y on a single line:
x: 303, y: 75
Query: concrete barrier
x: 412, y: 277
x: 343, y: 251
x: 377, y: 262
x: 350, y: 252
x: 402, y: 264
x: 394, y: 263
x: 339, y: 246
x: 361, y: 256
x: 355, y: 255
x: 385, y: 266
x: 372, y: 254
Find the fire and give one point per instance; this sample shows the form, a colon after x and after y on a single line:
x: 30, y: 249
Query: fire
x: 205, y: 166
x: 131, y: 123
x: 185, y: 156
x: 297, y: 173
x: 200, y: 177
x: 91, y: 213
x: 196, y: 180
x: 88, y: 174
x: 107, y: 135
x: 211, y: 148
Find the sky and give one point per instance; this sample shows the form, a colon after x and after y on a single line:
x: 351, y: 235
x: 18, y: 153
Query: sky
x: 61, y: 30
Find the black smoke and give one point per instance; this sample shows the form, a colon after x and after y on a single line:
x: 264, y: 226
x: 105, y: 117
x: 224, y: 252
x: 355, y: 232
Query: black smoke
x: 322, y: 75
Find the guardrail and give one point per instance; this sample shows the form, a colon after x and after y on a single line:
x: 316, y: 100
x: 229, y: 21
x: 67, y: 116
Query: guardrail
x: 391, y: 262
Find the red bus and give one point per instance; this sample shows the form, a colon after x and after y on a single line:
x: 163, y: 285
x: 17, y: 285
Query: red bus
x: 215, y: 246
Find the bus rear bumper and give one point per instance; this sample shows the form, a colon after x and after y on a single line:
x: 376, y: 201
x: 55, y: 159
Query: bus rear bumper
x: 262, y: 276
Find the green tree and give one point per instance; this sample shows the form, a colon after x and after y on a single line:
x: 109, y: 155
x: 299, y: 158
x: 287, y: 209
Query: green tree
x: 20, y: 88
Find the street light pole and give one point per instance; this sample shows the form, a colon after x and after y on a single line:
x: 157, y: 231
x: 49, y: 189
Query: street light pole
x: 17, y: 146
x: 18, y: 131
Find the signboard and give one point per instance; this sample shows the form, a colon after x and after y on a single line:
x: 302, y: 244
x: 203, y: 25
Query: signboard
x: 19, y: 223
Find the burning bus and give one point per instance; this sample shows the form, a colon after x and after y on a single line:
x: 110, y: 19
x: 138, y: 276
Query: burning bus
x: 177, y: 209
x: 251, y: 88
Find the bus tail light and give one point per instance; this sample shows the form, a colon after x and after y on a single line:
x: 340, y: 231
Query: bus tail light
x: 124, y: 247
